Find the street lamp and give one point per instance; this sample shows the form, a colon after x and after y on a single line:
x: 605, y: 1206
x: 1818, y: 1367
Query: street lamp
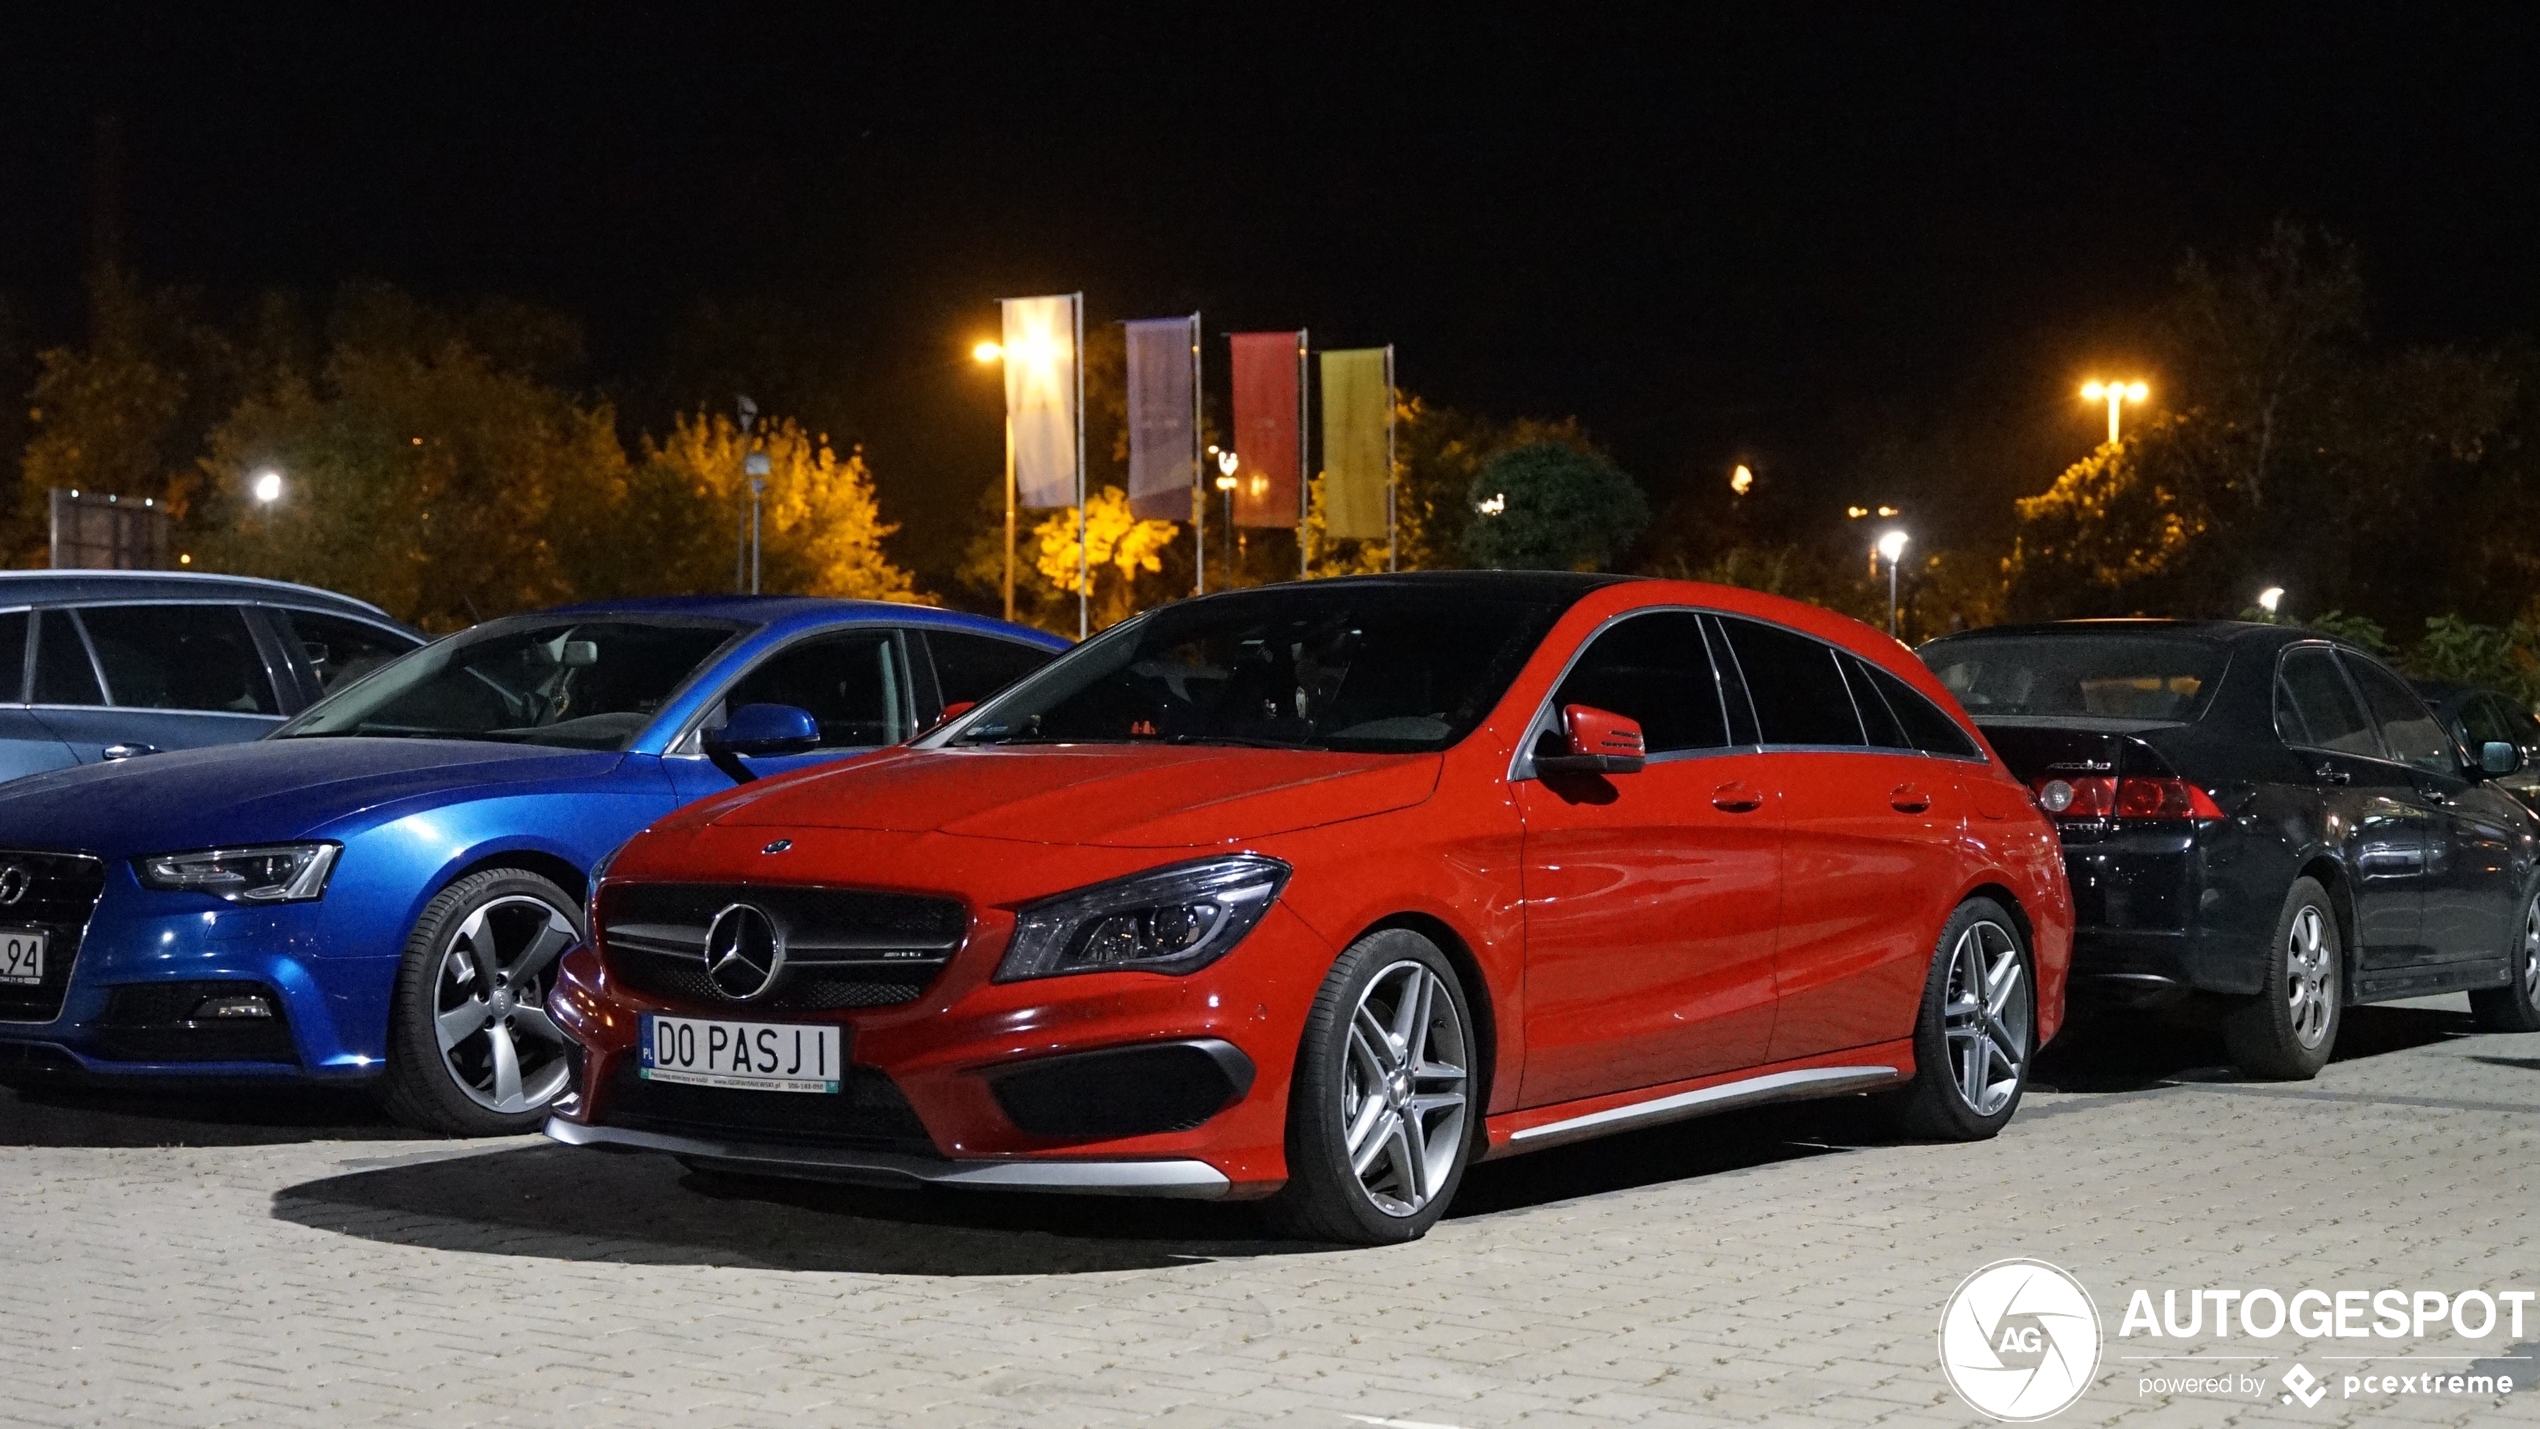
x: 1227, y: 462
x: 2116, y: 395
x: 988, y: 352
x: 2269, y: 599
x: 268, y: 488
x: 1741, y: 480
x: 1892, y: 546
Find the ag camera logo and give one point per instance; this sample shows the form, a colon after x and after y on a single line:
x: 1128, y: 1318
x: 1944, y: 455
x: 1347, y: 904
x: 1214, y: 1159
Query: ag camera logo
x: 2019, y: 1340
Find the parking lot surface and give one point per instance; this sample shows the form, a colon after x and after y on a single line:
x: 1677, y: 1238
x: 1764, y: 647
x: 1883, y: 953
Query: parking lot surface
x: 295, y: 1261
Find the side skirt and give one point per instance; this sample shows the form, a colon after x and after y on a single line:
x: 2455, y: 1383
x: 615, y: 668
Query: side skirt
x: 1862, y: 1069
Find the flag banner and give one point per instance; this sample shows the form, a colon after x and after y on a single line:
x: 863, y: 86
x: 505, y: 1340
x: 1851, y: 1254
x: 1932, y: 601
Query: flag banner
x: 1268, y: 369
x: 1357, y: 400
x: 1040, y: 398
x: 1163, y: 417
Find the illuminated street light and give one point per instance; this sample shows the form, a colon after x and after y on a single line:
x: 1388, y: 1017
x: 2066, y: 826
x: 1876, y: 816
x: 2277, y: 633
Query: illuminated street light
x: 1495, y: 505
x: 988, y: 352
x: 1742, y: 480
x: 268, y: 488
x: 2116, y: 395
x: 1892, y: 546
x: 2270, y: 598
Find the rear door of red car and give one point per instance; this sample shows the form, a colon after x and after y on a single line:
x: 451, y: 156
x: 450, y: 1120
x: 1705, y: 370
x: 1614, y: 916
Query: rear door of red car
x: 1870, y: 827
x: 1651, y: 897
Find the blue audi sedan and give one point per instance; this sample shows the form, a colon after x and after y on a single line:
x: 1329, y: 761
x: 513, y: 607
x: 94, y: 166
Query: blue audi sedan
x: 376, y: 892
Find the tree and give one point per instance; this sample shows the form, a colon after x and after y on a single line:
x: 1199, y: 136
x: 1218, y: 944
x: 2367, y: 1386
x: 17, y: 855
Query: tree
x: 1120, y: 552
x: 820, y: 527
x: 1551, y: 506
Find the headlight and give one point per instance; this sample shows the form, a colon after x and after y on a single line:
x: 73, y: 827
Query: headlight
x: 1172, y: 920
x: 270, y: 873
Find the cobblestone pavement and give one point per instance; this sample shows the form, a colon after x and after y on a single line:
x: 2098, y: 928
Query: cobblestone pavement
x: 299, y: 1263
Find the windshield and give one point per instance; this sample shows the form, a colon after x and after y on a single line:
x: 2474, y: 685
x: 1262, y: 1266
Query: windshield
x: 2146, y: 677
x: 1365, y: 668
x: 578, y: 684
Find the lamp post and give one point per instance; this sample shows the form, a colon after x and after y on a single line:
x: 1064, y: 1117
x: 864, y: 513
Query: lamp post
x: 989, y: 352
x: 2269, y: 599
x: 268, y: 487
x: 2116, y: 395
x: 1892, y: 546
x: 1226, y: 464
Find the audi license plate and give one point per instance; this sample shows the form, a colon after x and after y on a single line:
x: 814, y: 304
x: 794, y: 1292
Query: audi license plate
x: 21, y: 958
x: 739, y: 1056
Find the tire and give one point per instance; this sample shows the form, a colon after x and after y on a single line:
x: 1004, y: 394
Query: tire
x: 2515, y: 1007
x: 1411, y: 1117
x: 472, y: 994
x: 1976, y: 1035
x: 2286, y: 1032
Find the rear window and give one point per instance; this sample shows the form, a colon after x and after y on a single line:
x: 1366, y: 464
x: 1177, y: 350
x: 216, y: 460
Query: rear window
x: 2145, y: 677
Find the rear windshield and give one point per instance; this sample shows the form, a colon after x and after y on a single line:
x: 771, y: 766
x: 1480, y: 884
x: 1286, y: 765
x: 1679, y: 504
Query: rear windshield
x: 2144, y: 677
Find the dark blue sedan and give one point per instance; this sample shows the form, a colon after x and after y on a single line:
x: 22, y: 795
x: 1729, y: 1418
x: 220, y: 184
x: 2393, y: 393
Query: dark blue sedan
x: 377, y: 891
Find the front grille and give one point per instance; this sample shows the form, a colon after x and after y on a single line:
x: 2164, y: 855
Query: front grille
x: 61, y: 892
x: 866, y: 1113
x: 843, y: 947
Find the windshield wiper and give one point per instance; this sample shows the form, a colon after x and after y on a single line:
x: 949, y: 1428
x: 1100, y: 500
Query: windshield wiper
x: 1237, y: 741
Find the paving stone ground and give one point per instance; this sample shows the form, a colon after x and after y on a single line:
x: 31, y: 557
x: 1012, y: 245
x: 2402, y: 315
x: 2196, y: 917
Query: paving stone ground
x: 297, y: 1262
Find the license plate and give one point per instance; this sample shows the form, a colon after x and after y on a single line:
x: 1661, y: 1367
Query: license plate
x: 22, y: 958
x: 742, y: 1056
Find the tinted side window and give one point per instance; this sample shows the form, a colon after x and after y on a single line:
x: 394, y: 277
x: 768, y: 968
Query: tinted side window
x: 850, y: 683
x: 1655, y: 669
x: 339, y: 650
x: 13, y: 655
x: 973, y: 667
x: 2314, y: 707
x: 1877, y: 720
x: 2408, y: 730
x: 179, y: 657
x: 1931, y: 731
x: 1796, y: 687
x: 63, y: 672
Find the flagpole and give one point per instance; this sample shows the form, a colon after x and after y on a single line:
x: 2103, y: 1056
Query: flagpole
x: 1199, y: 478
x: 1009, y: 515
x: 1393, y: 531
x: 1084, y: 597
x: 1304, y: 482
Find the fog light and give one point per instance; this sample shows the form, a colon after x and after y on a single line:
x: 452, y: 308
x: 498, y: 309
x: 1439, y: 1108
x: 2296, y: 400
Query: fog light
x: 231, y: 1006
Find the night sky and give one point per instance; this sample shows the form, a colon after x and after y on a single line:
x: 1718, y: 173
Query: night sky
x: 1781, y: 238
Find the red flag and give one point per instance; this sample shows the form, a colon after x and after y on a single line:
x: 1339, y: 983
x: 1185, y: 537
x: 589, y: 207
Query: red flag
x: 1269, y: 372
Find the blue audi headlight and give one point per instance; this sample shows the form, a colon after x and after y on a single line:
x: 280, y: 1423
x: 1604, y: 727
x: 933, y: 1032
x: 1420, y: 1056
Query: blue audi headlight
x: 1170, y: 920
x: 266, y: 873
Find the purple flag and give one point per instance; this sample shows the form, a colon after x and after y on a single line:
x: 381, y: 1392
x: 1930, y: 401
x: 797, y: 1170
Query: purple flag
x: 1163, y: 420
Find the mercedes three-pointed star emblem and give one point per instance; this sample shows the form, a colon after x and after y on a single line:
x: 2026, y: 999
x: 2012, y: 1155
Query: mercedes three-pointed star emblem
x: 745, y: 952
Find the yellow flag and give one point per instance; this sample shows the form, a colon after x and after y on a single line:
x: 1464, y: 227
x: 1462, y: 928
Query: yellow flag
x: 1357, y: 456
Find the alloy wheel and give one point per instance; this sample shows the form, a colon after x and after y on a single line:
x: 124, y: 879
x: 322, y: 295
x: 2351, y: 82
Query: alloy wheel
x: 2531, y: 953
x: 2310, y: 986
x: 489, y: 1004
x: 1403, y: 1088
x: 1988, y: 1017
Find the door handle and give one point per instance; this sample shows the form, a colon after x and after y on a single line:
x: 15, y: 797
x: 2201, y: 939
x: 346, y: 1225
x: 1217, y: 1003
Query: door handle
x: 1906, y: 799
x: 1736, y: 799
x: 2331, y: 774
x: 127, y: 751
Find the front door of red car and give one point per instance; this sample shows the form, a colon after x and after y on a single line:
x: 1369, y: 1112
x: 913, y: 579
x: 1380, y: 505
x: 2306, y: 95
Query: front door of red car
x: 1651, y: 897
x: 1870, y: 833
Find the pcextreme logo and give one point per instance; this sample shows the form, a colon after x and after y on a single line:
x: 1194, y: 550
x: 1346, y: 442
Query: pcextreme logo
x: 2019, y: 1340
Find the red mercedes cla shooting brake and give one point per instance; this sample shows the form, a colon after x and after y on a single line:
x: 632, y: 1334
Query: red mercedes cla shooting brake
x: 1322, y: 892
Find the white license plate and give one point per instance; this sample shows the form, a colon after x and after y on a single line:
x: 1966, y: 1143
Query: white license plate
x: 21, y: 958
x: 742, y: 1056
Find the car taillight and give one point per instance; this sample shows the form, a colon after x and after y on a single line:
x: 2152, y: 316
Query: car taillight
x: 2102, y: 797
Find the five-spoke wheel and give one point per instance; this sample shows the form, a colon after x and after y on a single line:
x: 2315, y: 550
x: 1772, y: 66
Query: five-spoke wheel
x: 1384, y: 1106
x: 2288, y: 1028
x: 471, y: 1048
x: 2515, y: 1007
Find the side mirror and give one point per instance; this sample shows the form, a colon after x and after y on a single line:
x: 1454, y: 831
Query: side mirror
x: 952, y: 712
x: 1595, y: 741
x: 760, y: 729
x: 2498, y: 757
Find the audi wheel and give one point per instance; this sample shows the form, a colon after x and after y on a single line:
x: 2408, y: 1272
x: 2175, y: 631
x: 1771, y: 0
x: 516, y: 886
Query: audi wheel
x: 471, y: 1050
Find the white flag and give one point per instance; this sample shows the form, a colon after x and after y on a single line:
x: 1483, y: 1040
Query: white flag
x: 1040, y: 397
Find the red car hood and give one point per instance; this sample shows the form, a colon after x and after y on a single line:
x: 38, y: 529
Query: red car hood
x: 1118, y: 796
